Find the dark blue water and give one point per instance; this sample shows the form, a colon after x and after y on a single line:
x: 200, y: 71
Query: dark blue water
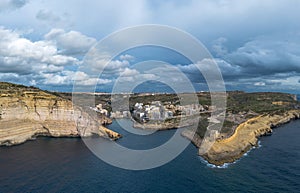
x: 66, y: 165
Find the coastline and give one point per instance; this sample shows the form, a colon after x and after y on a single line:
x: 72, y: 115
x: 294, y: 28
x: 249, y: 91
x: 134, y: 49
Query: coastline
x: 26, y: 113
x: 245, y: 137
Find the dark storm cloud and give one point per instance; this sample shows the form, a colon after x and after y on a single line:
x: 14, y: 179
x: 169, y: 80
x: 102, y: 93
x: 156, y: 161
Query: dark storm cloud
x: 256, y: 42
x: 267, y: 56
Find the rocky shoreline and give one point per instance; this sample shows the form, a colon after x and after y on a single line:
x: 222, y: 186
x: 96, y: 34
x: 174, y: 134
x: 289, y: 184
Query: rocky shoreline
x: 26, y: 113
x: 244, y: 138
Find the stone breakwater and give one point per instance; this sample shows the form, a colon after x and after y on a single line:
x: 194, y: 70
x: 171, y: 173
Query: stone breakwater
x: 27, y: 114
x: 245, y: 137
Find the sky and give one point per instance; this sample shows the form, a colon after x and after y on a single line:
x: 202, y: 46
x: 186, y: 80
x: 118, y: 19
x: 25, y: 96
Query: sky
x: 256, y: 44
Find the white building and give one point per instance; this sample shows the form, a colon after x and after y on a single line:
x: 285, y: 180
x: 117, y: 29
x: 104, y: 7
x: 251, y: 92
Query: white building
x: 154, y: 113
x: 138, y: 106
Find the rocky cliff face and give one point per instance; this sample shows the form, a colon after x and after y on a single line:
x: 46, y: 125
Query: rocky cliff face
x: 246, y: 136
x: 27, y: 113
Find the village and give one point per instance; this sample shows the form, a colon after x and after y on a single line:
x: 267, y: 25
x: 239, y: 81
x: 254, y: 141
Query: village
x: 155, y: 111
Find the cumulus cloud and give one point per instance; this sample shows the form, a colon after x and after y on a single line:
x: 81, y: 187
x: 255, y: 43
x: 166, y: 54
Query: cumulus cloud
x: 259, y: 84
x: 268, y: 83
x: 116, y: 66
x: 135, y: 75
x: 33, y: 62
x: 101, y: 63
x: 194, y: 71
x: 50, y: 61
x: 129, y: 72
x: 127, y: 57
x: 72, y: 42
x: 67, y: 78
x: 21, y: 55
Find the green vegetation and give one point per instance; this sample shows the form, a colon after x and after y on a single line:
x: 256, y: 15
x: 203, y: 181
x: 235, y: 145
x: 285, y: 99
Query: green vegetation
x: 259, y: 102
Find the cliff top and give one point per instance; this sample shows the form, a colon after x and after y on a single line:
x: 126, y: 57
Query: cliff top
x: 260, y: 102
x: 16, y: 90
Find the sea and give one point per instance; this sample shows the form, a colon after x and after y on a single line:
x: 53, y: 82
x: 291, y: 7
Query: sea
x: 67, y: 165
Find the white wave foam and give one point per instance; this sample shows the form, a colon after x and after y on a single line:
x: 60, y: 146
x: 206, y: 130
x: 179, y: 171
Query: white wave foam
x: 258, y: 145
x: 226, y: 165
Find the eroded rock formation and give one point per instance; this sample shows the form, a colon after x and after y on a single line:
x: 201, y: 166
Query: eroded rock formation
x: 26, y: 113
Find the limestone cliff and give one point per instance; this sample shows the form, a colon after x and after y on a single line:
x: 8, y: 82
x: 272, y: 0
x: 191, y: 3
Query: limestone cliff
x: 29, y: 112
x: 246, y: 136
